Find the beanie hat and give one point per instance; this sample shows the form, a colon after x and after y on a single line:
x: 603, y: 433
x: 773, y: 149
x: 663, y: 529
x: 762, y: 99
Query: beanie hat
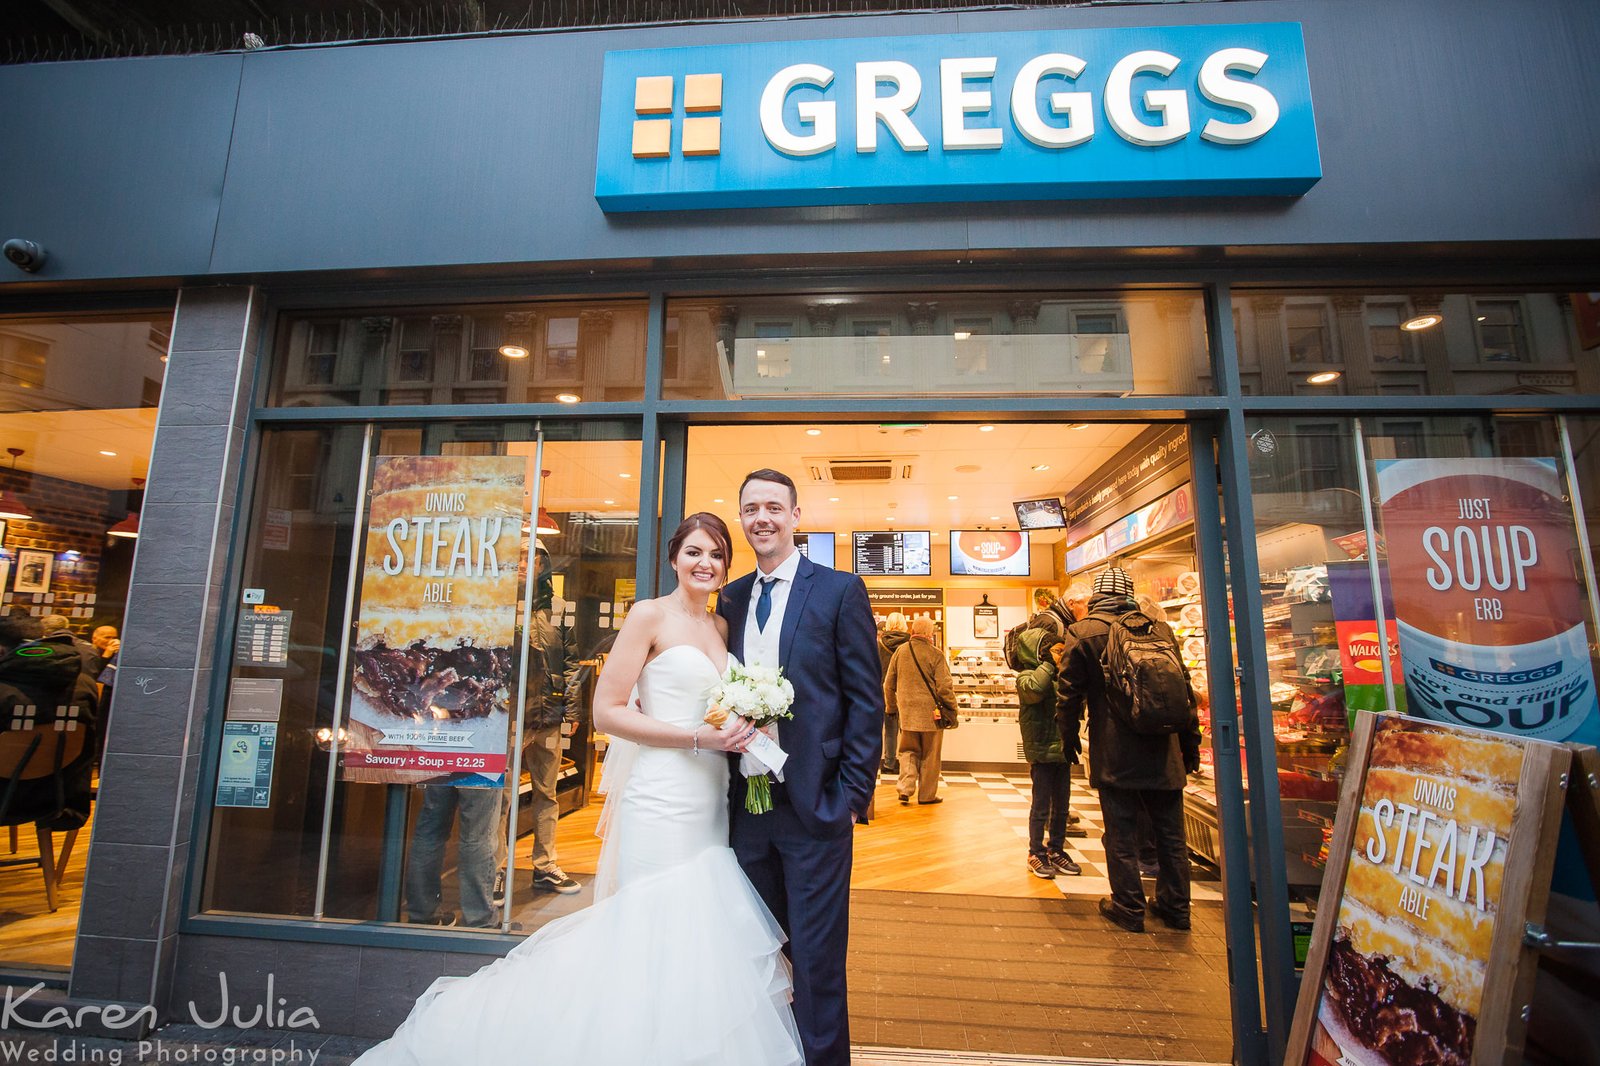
x: 1114, y: 581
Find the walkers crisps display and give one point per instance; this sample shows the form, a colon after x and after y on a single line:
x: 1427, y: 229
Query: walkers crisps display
x: 1442, y: 850
x: 434, y: 668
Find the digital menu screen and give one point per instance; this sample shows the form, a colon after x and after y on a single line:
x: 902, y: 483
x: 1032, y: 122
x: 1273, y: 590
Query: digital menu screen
x: 893, y: 553
x: 1040, y: 514
x: 991, y: 552
x: 818, y: 547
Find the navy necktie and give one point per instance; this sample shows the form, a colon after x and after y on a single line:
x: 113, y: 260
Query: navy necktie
x: 764, y: 604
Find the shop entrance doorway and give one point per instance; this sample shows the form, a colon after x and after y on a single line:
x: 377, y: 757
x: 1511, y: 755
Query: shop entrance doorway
x: 970, y: 529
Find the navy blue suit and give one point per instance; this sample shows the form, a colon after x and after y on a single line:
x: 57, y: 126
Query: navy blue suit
x: 798, y: 855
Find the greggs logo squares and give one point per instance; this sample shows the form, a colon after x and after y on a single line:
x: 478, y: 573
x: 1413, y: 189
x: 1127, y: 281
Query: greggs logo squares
x: 1199, y: 110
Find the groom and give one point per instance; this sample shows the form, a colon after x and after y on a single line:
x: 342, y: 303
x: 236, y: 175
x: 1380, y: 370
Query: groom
x: 815, y: 623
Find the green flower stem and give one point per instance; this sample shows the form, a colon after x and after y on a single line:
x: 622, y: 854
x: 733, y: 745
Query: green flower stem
x: 757, y: 794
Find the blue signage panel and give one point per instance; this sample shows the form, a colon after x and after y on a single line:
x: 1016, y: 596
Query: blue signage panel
x: 1045, y: 114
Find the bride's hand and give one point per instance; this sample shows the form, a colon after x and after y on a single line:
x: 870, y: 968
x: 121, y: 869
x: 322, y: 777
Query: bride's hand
x: 734, y: 735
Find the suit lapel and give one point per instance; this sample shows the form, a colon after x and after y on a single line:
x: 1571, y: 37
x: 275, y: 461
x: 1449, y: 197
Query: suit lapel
x: 737, y: 597
x: 792, y: 609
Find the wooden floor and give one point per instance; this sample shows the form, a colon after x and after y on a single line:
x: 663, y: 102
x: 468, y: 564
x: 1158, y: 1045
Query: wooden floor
x: 962, y: 846
x: 31, y: 937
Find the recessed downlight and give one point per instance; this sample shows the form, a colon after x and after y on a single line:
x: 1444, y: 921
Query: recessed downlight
x: 1421, y: 322
x: 1324, y: 377
x: 1041, y: 466
x: 513, y: 351
x: 108, y: 454
x: 567, y: 397
x: 962, y: 334
x: 952, y: 497
x: 985, y: 429
x: 813, y: 432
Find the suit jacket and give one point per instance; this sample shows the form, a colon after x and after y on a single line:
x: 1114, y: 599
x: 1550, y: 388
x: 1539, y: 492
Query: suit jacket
x: 828, y: 651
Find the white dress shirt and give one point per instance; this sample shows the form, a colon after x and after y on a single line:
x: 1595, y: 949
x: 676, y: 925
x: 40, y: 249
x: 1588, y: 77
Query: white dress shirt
x: 761, y: 645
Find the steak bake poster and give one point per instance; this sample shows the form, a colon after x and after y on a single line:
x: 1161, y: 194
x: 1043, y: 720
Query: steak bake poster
x: 1409, y: 958
x: 433, y: 660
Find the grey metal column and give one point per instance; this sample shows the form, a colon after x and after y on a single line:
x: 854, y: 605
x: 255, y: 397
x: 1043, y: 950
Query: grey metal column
x: 133, y: 891
x: 1249, y: 1042
x: 675, y: 435
x: 650, y: 450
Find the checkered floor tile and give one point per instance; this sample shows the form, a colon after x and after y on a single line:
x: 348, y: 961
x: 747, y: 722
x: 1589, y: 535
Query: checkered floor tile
x: 1011, y: 793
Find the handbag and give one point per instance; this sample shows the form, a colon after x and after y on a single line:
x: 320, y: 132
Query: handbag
x: 947, y: 714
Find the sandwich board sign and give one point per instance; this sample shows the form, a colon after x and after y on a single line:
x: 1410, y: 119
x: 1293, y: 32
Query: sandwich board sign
x: 1438, y: 876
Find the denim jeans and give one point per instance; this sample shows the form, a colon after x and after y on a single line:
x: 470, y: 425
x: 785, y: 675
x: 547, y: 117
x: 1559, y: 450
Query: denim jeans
x: 481, y: 820
x: 1052, y: 788
x: 1120, y: 808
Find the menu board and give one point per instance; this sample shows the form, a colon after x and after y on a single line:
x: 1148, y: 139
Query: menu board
x: 893, y: 553
x: 818, y: 547
x: 434, y: 662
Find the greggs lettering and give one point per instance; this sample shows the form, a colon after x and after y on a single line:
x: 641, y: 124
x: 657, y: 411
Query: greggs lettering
x: 1489, y: 608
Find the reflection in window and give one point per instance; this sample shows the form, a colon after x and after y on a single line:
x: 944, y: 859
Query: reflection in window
x: 1500, y: 334
x: 1307, y: 328
x: 1387, y: 342
x: 561, y: 349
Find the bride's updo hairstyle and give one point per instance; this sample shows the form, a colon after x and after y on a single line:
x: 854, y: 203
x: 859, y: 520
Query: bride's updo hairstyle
x: 713, y: 526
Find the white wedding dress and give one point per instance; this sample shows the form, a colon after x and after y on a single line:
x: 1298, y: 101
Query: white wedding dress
x: 678, y: 962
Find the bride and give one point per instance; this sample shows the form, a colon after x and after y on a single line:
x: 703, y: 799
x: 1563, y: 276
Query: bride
x: 678, y: 963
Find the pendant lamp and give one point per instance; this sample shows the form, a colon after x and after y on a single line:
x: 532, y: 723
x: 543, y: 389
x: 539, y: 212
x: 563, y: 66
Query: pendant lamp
x: 128, y: 528
x: 13, y: 506
x: 547, y: 525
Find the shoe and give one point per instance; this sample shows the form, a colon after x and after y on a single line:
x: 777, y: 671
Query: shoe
x: 447, y: 919
x: 499, y: 893
x: 1076, y: 830
x: 552, y: 879
x: 905, y: 801
x: 927, y: 803
x: 1109, y: 912
x: 1072, y: 817
x: 1179, y: 922
x: 1062, y: 863
x: 1042, y: 867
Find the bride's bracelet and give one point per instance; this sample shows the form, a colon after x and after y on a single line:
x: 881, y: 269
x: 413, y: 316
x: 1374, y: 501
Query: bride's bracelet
x: 696, y: 736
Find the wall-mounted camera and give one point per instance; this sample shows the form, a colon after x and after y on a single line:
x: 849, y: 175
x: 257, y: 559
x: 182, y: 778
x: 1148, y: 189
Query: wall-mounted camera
x: 26, y: 255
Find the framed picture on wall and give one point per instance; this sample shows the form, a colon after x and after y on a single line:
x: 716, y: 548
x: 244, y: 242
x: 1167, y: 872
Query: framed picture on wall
x: 33, y: 571
x: 5, y: 573
x: 2, y: 534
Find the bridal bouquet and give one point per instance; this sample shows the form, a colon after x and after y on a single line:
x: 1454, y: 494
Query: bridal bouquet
x: 763, y: 695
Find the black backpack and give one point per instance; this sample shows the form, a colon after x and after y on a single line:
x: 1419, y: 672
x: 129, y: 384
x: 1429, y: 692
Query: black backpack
x: 1146, y: 687
x: 1045, y: 619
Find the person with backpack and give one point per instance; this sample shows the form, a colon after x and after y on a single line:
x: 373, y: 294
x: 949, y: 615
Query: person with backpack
x: 894, y: 633
x: 1048, y: 763
x: 1124, y: 668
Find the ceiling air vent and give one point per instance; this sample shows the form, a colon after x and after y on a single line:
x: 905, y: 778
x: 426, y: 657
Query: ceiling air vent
x: 859, y: 471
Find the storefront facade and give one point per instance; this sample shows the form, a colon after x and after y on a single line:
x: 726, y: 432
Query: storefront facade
x: 351, y: 238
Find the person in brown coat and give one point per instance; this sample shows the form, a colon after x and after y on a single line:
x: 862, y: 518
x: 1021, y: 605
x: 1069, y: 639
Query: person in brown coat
x: 918, y: 672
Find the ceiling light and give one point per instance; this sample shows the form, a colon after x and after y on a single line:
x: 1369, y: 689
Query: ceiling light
x: 1324, y: 377
x: 952, y: 497
x: 888, y: 518
x: 513, y: 351
x: 994, y: 518
x: 547, y: 525
x: 962, y: 334
x: 833, y: 499
x: 985, y: 429
x: 813, y: 432
x: 108, y: 454
x: 128, y: 527
x: 761, y: 353
x: 1041, y: 466
x: 717, y: 500
x: 1077, y: 425
x: 1420, y: 322
x: 624, y: 474
x: 608, y: 503
x: 567, y: 397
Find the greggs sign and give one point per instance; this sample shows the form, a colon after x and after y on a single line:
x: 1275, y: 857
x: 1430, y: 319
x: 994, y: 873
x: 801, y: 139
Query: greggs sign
x: 1047, y: 114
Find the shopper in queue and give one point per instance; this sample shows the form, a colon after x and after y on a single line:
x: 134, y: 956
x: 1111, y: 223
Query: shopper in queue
x: 893, y: 634
x: 1049, y: 765
x: 917, y: 685
x: 1133, y: 771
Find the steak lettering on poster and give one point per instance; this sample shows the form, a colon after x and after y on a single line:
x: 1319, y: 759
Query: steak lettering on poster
x: 434, y: 669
